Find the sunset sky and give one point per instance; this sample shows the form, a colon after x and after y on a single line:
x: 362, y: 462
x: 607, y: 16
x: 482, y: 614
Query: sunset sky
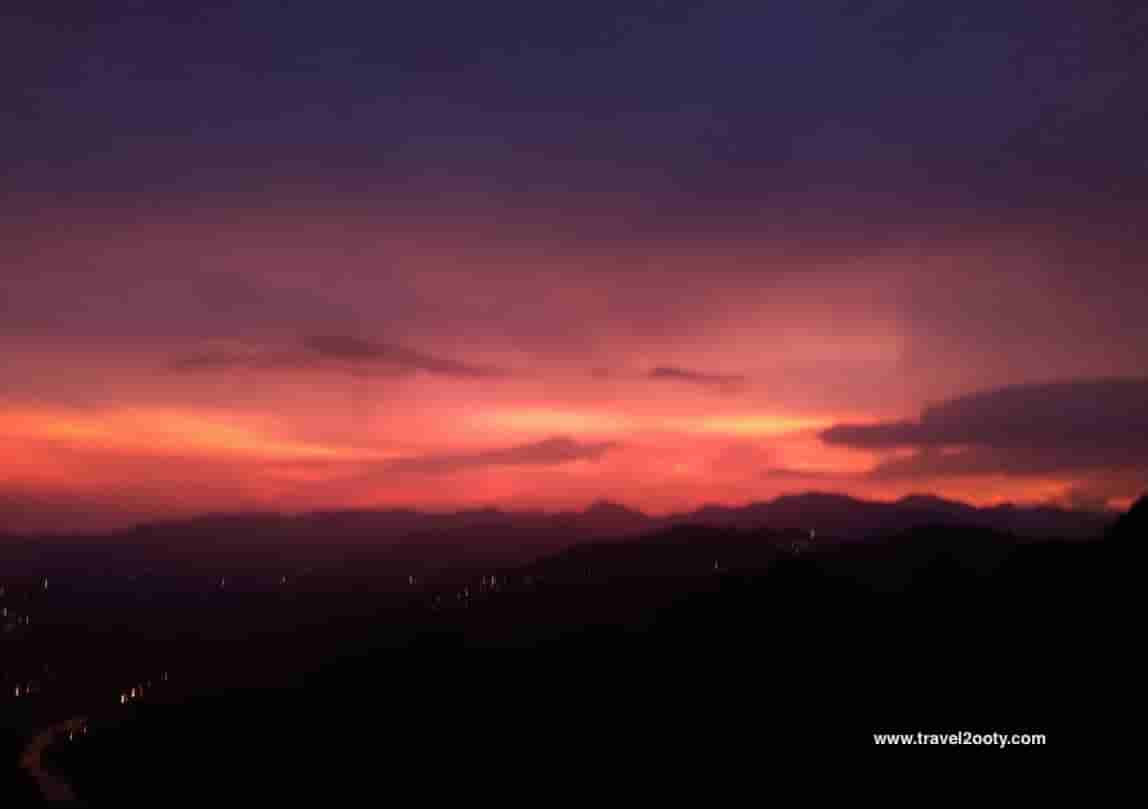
x: 311, y: 255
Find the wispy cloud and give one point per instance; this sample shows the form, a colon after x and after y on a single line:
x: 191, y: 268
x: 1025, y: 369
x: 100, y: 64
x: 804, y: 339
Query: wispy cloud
x: 326, y: 351
x: 794, y: 473
x: 724, y: 382
x: 228, y: 359
x: 354, y: 351
x: 550, y: 452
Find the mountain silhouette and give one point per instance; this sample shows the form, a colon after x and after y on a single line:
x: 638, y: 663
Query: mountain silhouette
x: 421, y: 541
x: 663, y: 635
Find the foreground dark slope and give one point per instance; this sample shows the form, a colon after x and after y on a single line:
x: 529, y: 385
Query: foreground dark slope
x: 646, y: 654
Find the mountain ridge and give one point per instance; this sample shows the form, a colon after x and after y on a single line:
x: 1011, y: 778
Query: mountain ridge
x: 483, y: 536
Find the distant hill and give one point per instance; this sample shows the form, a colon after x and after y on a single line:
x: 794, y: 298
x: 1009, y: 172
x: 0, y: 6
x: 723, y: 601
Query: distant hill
x: 846, y: 518
x: 419, y: 541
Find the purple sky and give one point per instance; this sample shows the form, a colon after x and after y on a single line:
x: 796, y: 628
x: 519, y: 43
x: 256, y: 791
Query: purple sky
x: 667, y: 253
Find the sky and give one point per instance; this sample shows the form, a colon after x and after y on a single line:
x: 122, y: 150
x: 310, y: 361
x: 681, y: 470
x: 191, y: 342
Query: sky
x: 299, y: 255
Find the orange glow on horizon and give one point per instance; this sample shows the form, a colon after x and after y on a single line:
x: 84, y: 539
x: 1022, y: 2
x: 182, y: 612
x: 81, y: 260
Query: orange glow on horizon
x: 164, y: 432
x: 216, y: 459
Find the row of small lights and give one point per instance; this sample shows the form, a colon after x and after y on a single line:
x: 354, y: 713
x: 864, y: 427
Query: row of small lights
x: 79, y: 730
x: 21, y: 620
x: 131, y: 695
x: 26, y: 690
x: 137, y: 692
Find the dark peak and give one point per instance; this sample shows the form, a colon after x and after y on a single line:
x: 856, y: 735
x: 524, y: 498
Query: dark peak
x: 351, y: 513
x: 717, y: 510
x: 928, y: 501
x: 815, y: 495
x: 815, y: 499
x: 211, y: 520
x: 608, y: 508
x: 485, y: 511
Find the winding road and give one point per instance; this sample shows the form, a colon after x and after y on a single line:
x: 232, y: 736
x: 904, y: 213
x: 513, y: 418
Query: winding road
x: 54, y: 788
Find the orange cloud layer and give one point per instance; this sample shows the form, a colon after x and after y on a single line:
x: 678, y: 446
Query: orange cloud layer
x: 165, y: 461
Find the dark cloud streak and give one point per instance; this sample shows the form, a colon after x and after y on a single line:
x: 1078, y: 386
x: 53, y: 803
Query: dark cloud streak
x: 356, y: 351
x: 335, y: 351
x: 1093, y: 413
x: 1023, y: 430
x: 724, y: 382
x: 550, y: 452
